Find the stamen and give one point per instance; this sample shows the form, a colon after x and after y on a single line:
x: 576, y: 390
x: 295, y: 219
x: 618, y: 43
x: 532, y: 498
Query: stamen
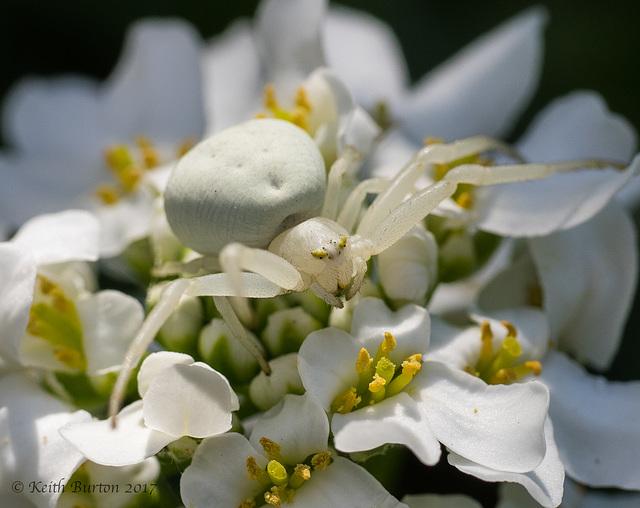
x: 277, y: 473
x: 271, y: 448
x: 321, y: 460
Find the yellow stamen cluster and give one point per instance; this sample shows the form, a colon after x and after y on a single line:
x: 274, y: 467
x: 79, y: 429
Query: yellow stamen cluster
x: 53, y: 317
x: 379, y: 378
x: 280, y: 479
x: 297, y: 115
x: 127, y: 166
x: 501, y: 367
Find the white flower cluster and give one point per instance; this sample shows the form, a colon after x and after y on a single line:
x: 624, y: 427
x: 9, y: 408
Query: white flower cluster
x: 393, y: 288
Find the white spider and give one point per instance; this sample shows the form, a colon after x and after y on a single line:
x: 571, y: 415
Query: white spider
x: 254, y: 197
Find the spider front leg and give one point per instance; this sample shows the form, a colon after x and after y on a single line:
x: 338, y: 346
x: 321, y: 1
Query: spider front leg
x: 216, y: 285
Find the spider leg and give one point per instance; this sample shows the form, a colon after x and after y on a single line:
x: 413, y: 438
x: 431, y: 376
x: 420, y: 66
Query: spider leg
x: 403, y: 183
x: 347, y: 161
x: 351, y: 208
x: 236, y: 258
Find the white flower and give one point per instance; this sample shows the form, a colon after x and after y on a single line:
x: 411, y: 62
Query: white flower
x: 430, y: 403
x: 281, y: 442
x: 60, y: 128
x: 594, y: 420
x: 31, y: 450
x: 180, y: 397
x: 51, y: 318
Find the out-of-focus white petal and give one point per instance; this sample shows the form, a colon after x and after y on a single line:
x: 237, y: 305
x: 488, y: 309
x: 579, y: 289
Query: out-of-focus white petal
x: 595, y: 423
x: 394, y: 420
x: 156, y: 88
x: 17, y: 280
x: 289, y: 36
x: 71, y: 235
x: 188, y: 400
x: 54, y: 117
x: 110, y: 320
x: 545, y: 483
x: 588, y: 297
x: 366, y: 53
x: 344, y: 483
x: 578, y: 126
x: 130, y: 442
x: 232, y: 80
x: 561, y: 201
x: 217, y: 475
x: 483, y: 88
x: 498, y: 426
x: 32, y: 450
x: 298, y: 424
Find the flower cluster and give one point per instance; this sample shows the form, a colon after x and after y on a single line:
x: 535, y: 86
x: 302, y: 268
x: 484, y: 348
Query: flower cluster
x: 346, y: 280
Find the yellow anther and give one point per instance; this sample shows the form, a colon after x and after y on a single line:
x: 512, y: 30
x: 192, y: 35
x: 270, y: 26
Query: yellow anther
x: 255, y: 472
x: 440, y: 171
x: 70, y: 357
x: 389, y: 343
x: 269, y: 98
x: 320, y: 254
x: 364, y: 361
x: 107, y: 194
x: 271, y: 448
x: 187, y: 144
x: 511, y: 330
x: 377, y: 384
x: 248, y: 503
x: 272, y: 497
x: 118, y: 158
x: 321, y: 460
x: 412, y: 365
x: 465, y: 200
x: 303, y: 471
x: 430, y: 140
x: 301, y: 99
x: 345, y: 403
x: 150, y: 156
x: 299, y: 117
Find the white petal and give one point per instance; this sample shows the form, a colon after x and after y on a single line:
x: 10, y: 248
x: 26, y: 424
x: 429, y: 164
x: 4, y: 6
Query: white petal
x: 289, y: 36
x: 498, y: 426
x: 588, y: 296
x: 483, y: 88
x: 154, y: 363
x: 595, y: 423
x: 344, y: 484
x: 110, y: 320
x: 32, y: 450
x: 188, y: 400
x: 561, y: 201
x: 54, y: 117
x: 156, y: 88
x: 71, y: 235
x: 130, y: 442
x: 327, y: 364
x: 545, y: 483
x: 409, y: 325
x: 578, y: 126
x: 366, y: 53
x: 17, y: 280
x: 394, y: 420
x: 217, y: 476
x: 298, y: 424
x: 232, y: 80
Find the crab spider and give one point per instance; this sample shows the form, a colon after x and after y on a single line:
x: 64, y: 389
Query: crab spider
x: 268, y: 245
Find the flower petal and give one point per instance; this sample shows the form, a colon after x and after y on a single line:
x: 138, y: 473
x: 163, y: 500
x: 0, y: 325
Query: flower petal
x: 366, y: 53
x: 17, y: 280
x: 588, y: 297
x: 578, y: 126
x: 298, y: 424
x: 561, y: 201
x: 156, y: 88
x: 395, y: 420
x: 130, y: 442
x: 483, y: 88
x: 71, y: 235
x: 217, y: 475
x: 595, y: 423
x: 188, y: 400
x: 154, y: 363
x: 545, y: 483
x: 498, y: 426
x: 344, y: 483
x: 110, y: 320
